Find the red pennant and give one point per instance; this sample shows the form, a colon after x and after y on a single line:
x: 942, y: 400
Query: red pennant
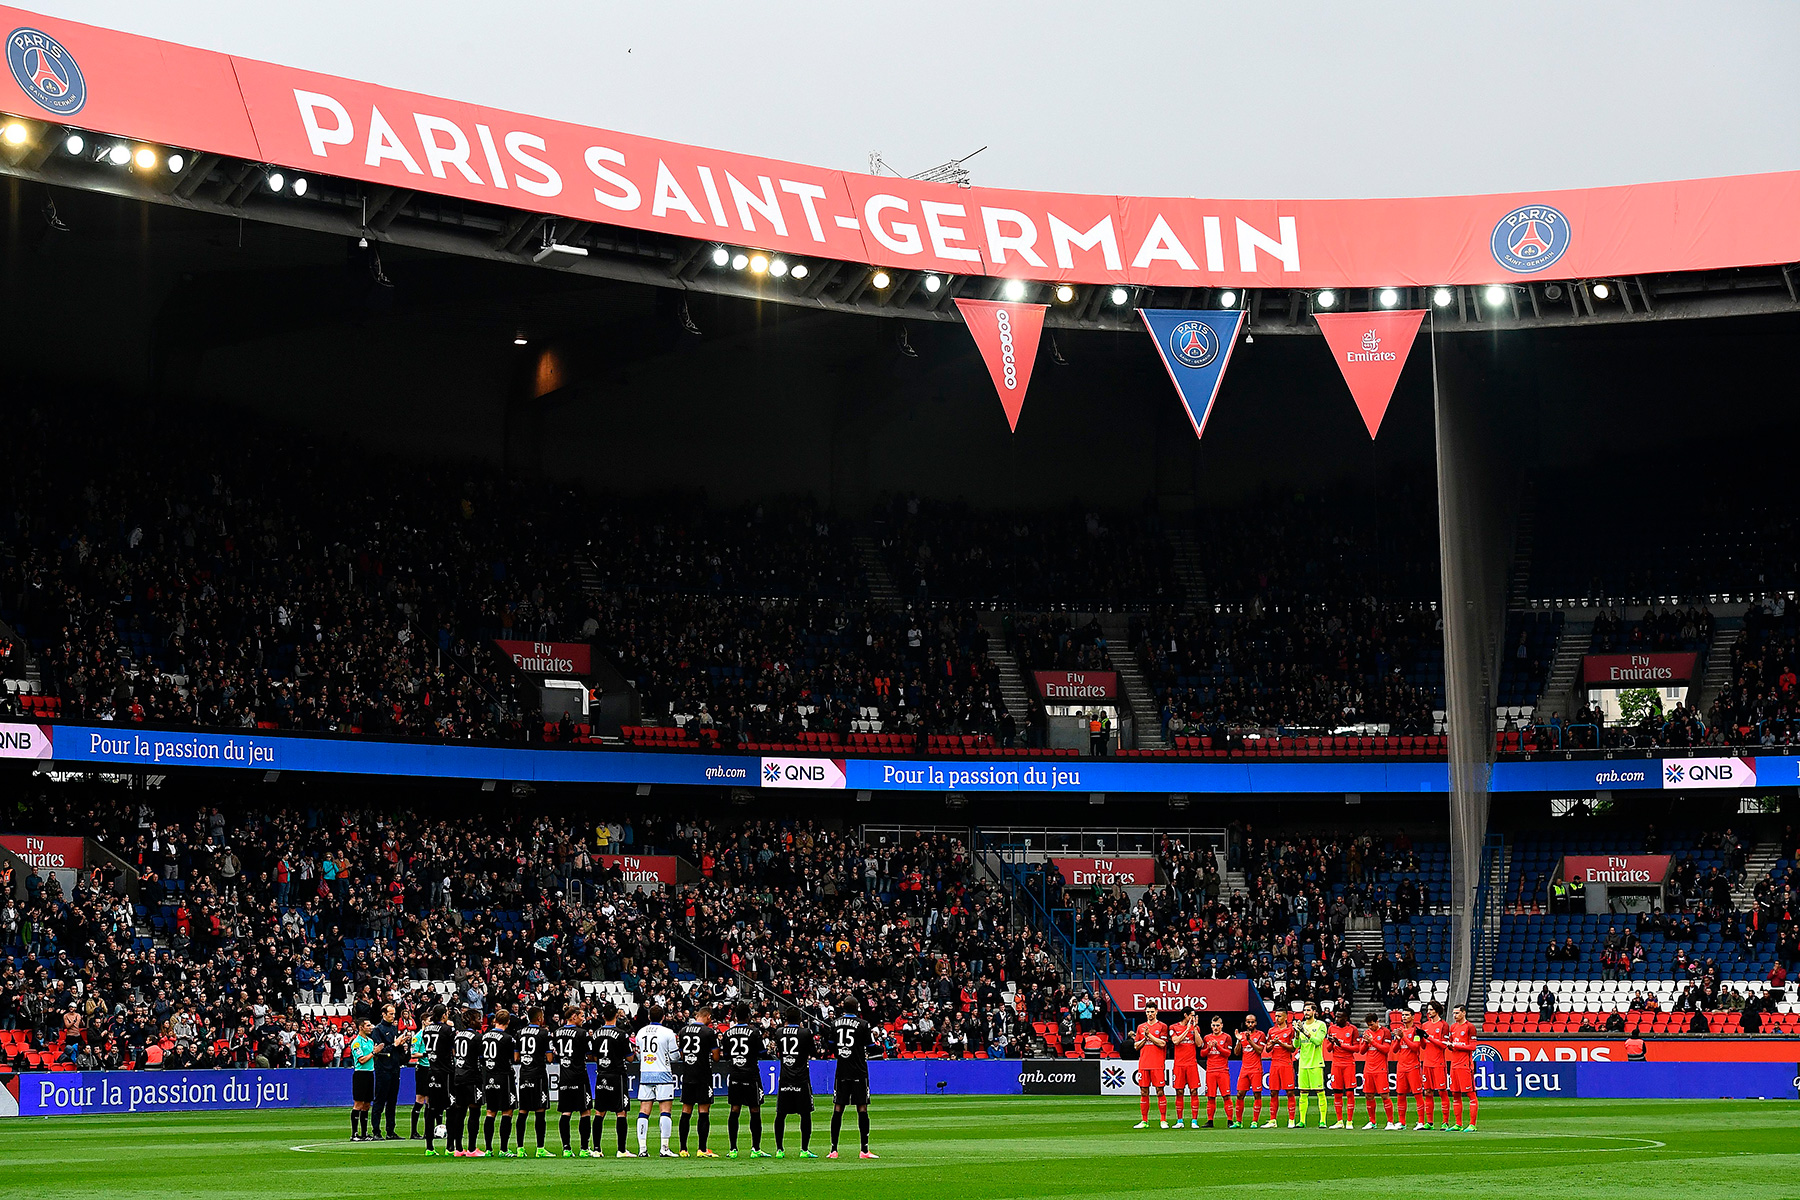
x: 1007, y: 336
x: 1370, y: 348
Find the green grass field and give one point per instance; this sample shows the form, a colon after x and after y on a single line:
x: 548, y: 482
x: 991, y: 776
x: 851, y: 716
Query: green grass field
x: 959, y: 1148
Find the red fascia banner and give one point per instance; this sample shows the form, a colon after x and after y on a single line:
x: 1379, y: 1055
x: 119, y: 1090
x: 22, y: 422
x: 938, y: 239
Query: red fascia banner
x: 58, y: 853
x: 1638, y: 670
x: 178, y: 96
x: 1107, y: 872
x: 1170, y: 995
x: 1007, y: 336
x: 1616, y: 870
x: 1077, y: 685
x: 1371, y: 349
x: 641, y: 869
x: 548, y: 658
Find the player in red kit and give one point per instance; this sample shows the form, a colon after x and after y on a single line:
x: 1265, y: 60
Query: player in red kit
x: 1251, y: 1043
x: 1378, y: 1043
x: 1280, y: 1044
x: 1341, y: 1044
x: 1184, y: 1040
x: 1152, y: 1040
x: 1459, y: 1042
x: 1217, y: 1047
x: 1408, y: 1081
x: 1431, y: 1061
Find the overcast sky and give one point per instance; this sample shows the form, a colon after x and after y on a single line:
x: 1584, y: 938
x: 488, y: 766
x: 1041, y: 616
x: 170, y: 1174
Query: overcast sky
x: 1255, y: 98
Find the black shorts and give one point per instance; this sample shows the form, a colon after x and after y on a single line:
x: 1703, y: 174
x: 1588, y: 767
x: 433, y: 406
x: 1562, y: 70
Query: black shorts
x: 435, y: 1091
x: 697, y: 1089
x: 362, y: 1086
x: 851, y: 1090
x: 500, y: 1097
x: 574, y: 1099
x: 465, y: 1093
x: 611, y: 1095
x: 532, y: 1096
x: 794, y: 1096
x: 743, y: 1095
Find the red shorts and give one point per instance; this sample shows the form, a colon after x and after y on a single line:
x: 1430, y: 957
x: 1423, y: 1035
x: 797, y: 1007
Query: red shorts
x: 1281, y: 1075
x: 1186, y: 1075
x: 1218, y: 1081
x: 1434, y: 1076
x: 1250, y: 1077
x: 1408, y: 1081
x: 1375, y: 1080
x: 1150, y: 1071
x: 1343, y: 1075
x: 1462, y: 1080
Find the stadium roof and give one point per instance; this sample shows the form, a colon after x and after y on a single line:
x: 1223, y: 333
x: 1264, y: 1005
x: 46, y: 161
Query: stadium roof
x: 112, y: 112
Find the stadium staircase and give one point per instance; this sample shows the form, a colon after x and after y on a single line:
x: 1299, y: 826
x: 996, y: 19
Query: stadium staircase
x: 1146, y: 722
x: 881, y: 583
x: 1490, y: 901
x: 1518, y: 594
x: 1719, y: 655
x: 1012, y: 680
x: 1758, y: 864
x: 1565, y: 668
x: 1371, y: 942
x: 1188, y: 567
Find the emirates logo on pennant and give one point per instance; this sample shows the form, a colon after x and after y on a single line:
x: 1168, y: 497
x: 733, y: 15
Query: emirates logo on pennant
x: 1356, y: 341
x: 1007, y: 336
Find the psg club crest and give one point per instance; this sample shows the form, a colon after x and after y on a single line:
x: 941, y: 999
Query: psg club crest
x: 1530, y: 238
x: 45, y: 71
x: 1193, y: 344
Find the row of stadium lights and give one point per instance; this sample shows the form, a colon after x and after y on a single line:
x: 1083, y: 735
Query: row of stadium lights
x: 758, y: 263
x: 144, y: 158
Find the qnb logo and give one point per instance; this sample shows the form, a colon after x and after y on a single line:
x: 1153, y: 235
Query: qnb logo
x: 1009, y: 364
x: 1530, y: 238
x: 45, y: 71
x: 1673, y: 773
x: 771, y: 772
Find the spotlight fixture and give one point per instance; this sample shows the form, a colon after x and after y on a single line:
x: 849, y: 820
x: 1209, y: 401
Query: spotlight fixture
x: 778, y: 267
x: 119, y: 155
x: 759, y: 263
x: 145, y: 158
x: 1442, y: 297
x: 276, y: 181
x: 15, y: 133
x: 175, y: 163
x: 933, y: 283
x: 1496, y: 294
x: 300, y: 186
x: 1013, y: 289
x: 1120, y: 296
x: 720, y: 256
x: 1388, y: 297
x: 519, y: 338
x: 1326, y: 298
x: 1228, y: 299
x: 1601, y: 291
x: 74, y: 143
x: 1064, y: 293
x: 800, y: 271
x: 739, y: 261
x: 880, y: 279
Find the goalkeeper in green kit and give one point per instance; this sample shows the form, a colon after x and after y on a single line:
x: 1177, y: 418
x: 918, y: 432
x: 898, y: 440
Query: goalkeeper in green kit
x: 1309, y: 1044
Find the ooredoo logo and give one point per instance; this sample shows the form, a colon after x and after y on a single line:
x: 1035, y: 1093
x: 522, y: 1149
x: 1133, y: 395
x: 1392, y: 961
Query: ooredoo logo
x: 1530, y: 238
x: 1008, y: 360
x: 45, y: 71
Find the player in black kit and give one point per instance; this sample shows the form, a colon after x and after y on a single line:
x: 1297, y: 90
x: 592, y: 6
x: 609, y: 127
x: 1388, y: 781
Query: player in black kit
x: 534, y: 1077
x: 850, y: 1047
x: 699, y: 1048
x: 569, y: 1044
x: 611, y: 1048
x: 743, y: 1087
x: 431, y: 1050
x: 465, y: 1086
x: 795, y: 1048
x: 499, y: 1053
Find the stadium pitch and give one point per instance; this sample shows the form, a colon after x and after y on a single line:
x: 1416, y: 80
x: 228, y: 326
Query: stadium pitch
x: 962, y: 1147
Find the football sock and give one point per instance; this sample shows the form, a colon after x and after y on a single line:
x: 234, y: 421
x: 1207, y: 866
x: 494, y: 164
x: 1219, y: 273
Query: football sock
x: 487, y: 1132
x: 1457, y: 1100
x: 1292, y: 1100
x: 415, y: 1125
x: 687, y: 1119
x: 862, y: 1123
x: 355, y: 1123
x: 643, y: 1128
x: 1144, y: 1106
x: 805, y: 1130
x: 665, y: 1127
x: 780, y: 1128
x: 837, y: 1122
x: 519, y: 1137
x: 619, y: 1125
x: 540, y: 1130
x: 731, y: 1123
x: 586, y: 1129
x: 1162, y: 1105
x: 1473, y: 1105
x: 430, y: 1128
x: 562, y: 1123
x: 506, y: 1128
x: 705, y: 1122
x: 756, y: 1129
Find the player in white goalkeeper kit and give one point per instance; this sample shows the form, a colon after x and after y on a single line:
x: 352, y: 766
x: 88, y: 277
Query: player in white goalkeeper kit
x: 659, y: 1057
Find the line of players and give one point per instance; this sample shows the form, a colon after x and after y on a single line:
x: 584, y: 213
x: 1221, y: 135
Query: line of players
x: 515, y: 1069
x: 1433, y: 1063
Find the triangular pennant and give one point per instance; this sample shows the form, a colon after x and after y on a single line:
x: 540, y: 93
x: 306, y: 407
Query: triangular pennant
x: 1007, y: 336
x: 1370, y: 349
x: 1196, y: 346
